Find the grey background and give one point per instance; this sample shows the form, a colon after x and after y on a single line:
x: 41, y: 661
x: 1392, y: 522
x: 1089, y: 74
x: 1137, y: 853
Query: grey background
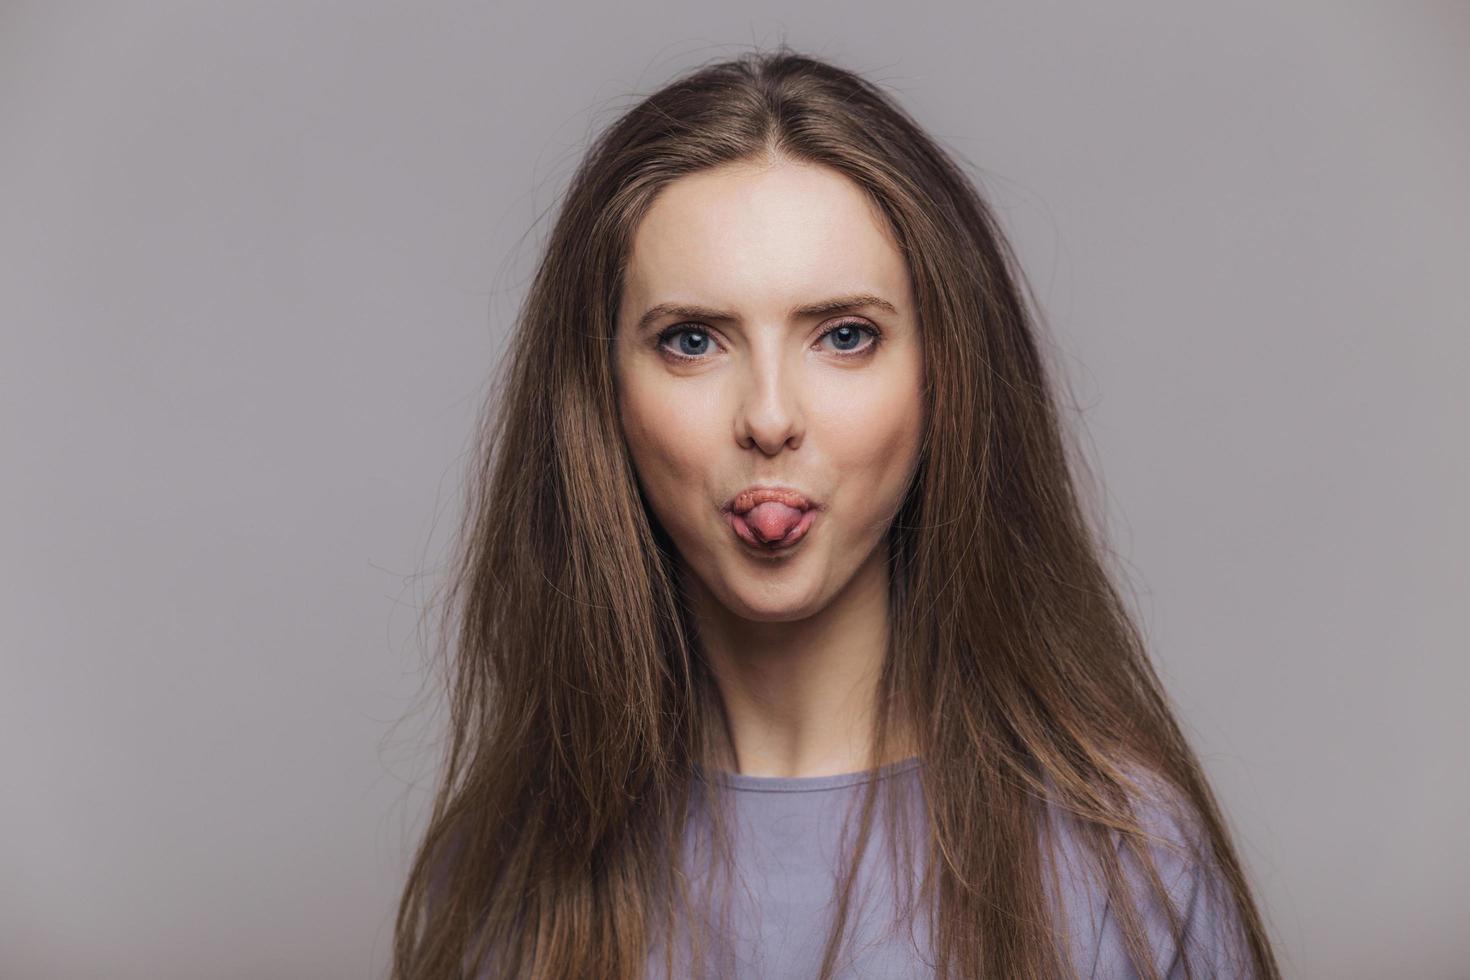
x: 256, y: 263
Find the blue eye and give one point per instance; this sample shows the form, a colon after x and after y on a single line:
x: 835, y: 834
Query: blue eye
x: 845, y: 332
x: 700, y: 345
x: 850, y: 332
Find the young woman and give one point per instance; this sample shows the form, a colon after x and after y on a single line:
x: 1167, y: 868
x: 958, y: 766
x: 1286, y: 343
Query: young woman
x: 786, y: 647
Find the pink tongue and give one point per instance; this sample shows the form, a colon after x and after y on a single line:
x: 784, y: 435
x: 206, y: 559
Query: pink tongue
x: 772, y: 520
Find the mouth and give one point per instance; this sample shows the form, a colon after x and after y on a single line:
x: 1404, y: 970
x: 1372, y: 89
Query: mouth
x: 771, y: 519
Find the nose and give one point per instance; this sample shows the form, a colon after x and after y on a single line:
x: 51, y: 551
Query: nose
x: 769, y: 414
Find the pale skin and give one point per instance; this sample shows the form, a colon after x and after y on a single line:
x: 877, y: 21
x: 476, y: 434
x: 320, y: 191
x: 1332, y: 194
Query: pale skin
x: 767, y: 395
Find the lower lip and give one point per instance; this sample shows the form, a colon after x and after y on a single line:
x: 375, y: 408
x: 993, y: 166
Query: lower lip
x: 743, y: 532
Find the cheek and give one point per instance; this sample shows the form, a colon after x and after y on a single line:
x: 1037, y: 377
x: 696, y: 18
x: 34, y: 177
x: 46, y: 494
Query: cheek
x: 671, y: 440
x: 874, y: 444
x: 881, y: 429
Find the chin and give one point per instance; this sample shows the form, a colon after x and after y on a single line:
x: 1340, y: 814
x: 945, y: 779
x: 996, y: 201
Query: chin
x: 779, y: 587
x: 773, y: 614
x: 751, y: 595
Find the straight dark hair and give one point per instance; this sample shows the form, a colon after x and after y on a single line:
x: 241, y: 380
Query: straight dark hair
x: 581, y: 709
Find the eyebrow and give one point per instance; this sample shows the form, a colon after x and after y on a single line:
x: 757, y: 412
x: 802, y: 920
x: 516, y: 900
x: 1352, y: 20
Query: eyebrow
x: 836, y: 304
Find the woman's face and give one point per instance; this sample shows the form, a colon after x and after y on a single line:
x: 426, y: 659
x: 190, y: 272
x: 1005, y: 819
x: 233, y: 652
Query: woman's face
x: 742, y: 387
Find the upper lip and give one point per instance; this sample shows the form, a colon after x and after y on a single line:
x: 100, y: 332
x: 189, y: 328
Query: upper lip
x: 754, y: 495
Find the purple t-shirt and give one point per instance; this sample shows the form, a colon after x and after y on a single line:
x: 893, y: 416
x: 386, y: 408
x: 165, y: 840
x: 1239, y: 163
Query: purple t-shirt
x: 786, y: 839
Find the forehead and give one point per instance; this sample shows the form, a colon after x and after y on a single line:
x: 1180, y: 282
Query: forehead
x: 754, y: 238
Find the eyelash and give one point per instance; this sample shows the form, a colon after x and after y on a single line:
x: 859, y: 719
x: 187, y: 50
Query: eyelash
x: 679, y: 328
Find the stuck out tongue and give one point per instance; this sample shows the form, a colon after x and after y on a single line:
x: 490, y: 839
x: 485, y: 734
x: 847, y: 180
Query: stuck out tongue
x: 772, y: 520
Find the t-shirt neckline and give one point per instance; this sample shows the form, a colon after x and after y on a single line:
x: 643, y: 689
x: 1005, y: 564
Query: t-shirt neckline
x: 806, y: 784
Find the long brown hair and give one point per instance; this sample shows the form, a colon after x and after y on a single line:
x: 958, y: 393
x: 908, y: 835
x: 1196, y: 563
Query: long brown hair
x: 581, y: 710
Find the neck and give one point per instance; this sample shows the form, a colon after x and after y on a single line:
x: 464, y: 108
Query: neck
x: 801, y: 695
